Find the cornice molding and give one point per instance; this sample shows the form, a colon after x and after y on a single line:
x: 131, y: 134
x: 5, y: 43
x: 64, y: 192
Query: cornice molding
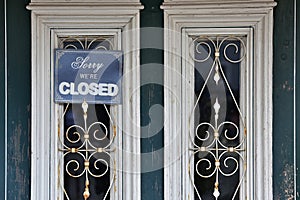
x: 85, y: 8
x: 85, y: 5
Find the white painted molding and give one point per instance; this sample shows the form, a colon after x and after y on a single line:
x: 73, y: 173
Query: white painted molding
x: 54, y: 17
x: 219, y: 14
x: 116, y: 9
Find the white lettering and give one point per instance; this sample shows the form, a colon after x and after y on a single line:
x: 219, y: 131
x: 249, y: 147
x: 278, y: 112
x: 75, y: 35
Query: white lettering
x: 73, y: 92
x: 81, y: 62
x: 113, y: 89
x: 83, y: 76
x: 62, y: 86
x: 83, y: 88
x: 93, y: 89
x: 103, y: 89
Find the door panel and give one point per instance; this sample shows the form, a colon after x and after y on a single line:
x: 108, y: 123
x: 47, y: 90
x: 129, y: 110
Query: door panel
x: 283, y: 99
x: 152, y: 100
x: 18, y: 100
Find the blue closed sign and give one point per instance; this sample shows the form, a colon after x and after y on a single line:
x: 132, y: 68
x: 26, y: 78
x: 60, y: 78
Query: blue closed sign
x: 93, y: 76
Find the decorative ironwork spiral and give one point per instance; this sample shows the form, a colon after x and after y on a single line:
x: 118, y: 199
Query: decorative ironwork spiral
x: 236, y: 132
x: 207, y: 132
x: 235, y: 46
x: 226, y: 165
x: 199, y: 46
x: 74, y: 168
x: 78, y: 133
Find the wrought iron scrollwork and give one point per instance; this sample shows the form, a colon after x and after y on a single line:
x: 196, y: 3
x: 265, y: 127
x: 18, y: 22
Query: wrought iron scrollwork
x: 86, y: 42
x: 216, y: 155
x: 88, y: 154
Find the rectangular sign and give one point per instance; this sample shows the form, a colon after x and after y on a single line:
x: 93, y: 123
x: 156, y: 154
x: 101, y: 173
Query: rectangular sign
x: 93, y: 76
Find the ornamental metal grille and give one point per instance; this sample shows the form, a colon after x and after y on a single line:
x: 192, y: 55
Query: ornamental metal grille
x: 86, y: 144
x: 217, y: 165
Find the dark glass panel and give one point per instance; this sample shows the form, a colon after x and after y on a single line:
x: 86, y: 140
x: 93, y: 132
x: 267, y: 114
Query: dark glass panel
x: 205, y: 113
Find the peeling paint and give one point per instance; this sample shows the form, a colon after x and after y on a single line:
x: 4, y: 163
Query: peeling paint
x: 18, y: 153
x: 287, y: 184
x: 286, y: 86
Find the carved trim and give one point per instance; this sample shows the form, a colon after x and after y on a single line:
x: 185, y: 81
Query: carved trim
x: 78, y: 7
x: 219, y: 14
x: 47, y: 20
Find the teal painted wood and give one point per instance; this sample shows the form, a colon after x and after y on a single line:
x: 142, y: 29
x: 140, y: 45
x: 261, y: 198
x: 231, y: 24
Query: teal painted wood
x: 283, y: 97
x: 298, y: 99
x: 2, y: 101
x: 152, y: 100
x: 18, y: 120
